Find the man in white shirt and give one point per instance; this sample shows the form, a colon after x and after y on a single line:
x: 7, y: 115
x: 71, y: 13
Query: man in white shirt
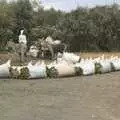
x: 22, y: 38
x: 23, y: 45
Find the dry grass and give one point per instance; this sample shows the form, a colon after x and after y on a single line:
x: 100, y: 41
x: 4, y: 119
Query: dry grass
x: 6, y: 56
x: 93, y: 55
x: 16, y: 60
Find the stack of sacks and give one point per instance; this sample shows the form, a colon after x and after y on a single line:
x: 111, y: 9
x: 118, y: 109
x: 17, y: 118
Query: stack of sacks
x: 70, y: 57
x: 4, y: 69
x: 60, y: 69
x: 87, y: 67
x: 37, y: 71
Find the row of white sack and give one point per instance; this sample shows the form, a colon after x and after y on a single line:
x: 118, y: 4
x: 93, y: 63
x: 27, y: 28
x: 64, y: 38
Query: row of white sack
x: 39, y: 70
x: 29, y: 71
x: 60, y: 69
x: 99, y: 65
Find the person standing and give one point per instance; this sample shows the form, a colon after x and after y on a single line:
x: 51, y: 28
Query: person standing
x: 22, y: 45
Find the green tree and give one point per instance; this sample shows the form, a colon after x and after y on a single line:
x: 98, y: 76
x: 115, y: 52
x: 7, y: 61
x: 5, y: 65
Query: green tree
x: 6, y: 23
x: 24, y: 12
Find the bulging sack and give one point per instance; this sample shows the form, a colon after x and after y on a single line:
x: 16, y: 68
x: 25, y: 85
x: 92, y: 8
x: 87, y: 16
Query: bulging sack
x: 4, y: 69
x: 115, y: 65
x: 37, y: 71
x: 105, y: 66
x: 62, y: 69
x: 88, y: 68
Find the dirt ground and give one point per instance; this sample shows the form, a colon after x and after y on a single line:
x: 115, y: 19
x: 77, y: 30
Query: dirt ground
x: 94, y: 97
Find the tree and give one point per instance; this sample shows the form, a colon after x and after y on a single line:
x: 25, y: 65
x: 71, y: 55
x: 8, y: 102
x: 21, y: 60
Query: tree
x: 24, y: 12
x: 6, y: 23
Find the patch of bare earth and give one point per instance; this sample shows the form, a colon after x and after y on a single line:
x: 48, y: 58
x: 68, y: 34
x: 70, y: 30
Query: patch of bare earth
x: 78, y: 98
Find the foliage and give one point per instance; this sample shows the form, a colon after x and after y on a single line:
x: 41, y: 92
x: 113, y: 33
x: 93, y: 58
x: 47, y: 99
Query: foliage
x: 23, y: 74
x: 23, y: 15
x: 83, y: 29
x: 78, y: 71
x: 51, y: 72
x: 98, y: 67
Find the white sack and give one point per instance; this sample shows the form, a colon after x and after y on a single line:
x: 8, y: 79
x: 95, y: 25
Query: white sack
x: 37, y: 71
x: 63, y: 69
x: 106, y: 66
x: 4, y: 69
x: 116, y: 64
x: 88, y: 67
x: 70, y: 57
x: 57, y: 42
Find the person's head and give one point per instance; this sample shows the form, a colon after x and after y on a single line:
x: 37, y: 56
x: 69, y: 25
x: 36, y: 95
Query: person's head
x: 21, y: 32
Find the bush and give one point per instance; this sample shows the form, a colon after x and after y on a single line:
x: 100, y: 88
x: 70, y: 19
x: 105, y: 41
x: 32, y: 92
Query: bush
x: 98, y: 68
x: 23, y: 74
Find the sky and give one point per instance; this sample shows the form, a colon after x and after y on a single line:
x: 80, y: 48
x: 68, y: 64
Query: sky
x: 68, y: 5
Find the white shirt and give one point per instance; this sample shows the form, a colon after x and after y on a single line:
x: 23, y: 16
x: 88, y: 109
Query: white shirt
x: 22, y: 39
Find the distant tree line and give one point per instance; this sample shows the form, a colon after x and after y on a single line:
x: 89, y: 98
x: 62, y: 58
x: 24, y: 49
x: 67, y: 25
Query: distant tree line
x: 83, y: 29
